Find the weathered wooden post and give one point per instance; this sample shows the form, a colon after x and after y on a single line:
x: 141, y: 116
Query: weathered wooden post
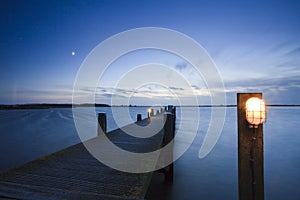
x: 139, y: 117
x: 168, y: 137
x: 102, y: 124
x: 151, y: 112
x: 250, y: 149
x: 157, y: 112
x: 174, y: 111
x: 170, y: 107
x: 174, y: 118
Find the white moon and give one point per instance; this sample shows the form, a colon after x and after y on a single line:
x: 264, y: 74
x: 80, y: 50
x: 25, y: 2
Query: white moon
x: 73, y: 53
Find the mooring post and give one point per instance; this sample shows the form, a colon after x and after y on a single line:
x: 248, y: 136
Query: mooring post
x: 151, y: 112
x: 138, y: 117
x: 250, y: 153
x: 174, y: 111
x: 168, y: 137
x: 102, y: 124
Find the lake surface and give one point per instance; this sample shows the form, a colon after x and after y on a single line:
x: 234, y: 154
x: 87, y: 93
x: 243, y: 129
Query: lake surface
x: 29, y: 134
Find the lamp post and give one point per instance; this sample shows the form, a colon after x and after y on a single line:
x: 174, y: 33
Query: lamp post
x: 251, y: 115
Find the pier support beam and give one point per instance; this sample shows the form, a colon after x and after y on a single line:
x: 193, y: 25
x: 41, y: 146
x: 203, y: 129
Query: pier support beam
x: 250, y: 153
x: 168, y: 171
x: 174, y: 111
x: 102, y: 124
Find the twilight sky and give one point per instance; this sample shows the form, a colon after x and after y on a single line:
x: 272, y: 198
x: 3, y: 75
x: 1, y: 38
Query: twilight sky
x: 254, y: 44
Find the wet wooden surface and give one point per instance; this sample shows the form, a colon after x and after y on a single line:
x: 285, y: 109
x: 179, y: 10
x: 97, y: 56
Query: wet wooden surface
x: 73, y: 173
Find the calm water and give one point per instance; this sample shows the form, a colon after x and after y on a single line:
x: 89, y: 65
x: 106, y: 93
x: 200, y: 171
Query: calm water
x: 29, y: 134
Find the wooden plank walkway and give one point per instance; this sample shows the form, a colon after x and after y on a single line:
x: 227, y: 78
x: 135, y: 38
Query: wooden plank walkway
x: 73, y: 173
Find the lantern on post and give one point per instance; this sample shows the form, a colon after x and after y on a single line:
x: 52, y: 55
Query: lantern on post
x: 251, y: 113
x: 149, y: 112
x: 255, y: 112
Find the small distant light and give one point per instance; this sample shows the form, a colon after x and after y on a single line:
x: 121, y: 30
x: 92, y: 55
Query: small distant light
x: 255, y: 112
x: 73, y: 53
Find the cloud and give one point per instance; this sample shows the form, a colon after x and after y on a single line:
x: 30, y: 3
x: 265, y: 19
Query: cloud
x: 267, y: 82
x: 293, y: 52
x: 109, y: 92
x: 34, y: 95
x: 181, y: 66
x: 196, y: 87
x: 277, y: 90
x: 176, y: 88
x: 110, y: 95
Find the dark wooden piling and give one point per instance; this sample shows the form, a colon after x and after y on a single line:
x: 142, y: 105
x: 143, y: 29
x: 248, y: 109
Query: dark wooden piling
x: 174, y: 111
x: 102, y: 123
x: 138, y: 117
x: 168, y: 171
x: 168, y: 136
x: 151, y: 112
x: 250, y: 153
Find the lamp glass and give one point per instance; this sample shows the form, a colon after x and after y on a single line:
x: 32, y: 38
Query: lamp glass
x: 255, y: 111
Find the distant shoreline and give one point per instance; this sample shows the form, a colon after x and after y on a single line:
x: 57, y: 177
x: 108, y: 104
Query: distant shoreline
x: 47, y: 106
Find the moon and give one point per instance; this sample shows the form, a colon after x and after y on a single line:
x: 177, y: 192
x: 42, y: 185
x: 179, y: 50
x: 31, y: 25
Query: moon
x: 73, y: 53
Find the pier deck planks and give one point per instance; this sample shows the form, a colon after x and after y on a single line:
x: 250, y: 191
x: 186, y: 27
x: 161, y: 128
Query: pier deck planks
x: 73, y: 173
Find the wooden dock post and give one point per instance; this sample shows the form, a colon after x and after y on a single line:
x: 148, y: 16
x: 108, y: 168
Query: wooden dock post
x: 168, y: 171
x: 174, y: 117
x: 174, y: 111
x: 250, y: 153
x: 138, y: 117
x: 102, y: 124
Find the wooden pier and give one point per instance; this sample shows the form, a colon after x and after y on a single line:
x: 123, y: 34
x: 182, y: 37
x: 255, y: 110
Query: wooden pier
x: 73, y: 173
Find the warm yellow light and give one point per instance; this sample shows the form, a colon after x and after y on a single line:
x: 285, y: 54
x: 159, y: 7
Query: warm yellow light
x: 255, y: 111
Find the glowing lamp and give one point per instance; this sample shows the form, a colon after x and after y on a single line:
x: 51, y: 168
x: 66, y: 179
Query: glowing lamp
x: 255, y: 112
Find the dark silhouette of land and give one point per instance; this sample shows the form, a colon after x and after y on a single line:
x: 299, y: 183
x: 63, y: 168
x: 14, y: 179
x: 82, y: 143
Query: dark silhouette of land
x: 47, y: 106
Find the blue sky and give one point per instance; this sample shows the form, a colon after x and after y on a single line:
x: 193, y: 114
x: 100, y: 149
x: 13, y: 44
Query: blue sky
x: 255, y: 45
